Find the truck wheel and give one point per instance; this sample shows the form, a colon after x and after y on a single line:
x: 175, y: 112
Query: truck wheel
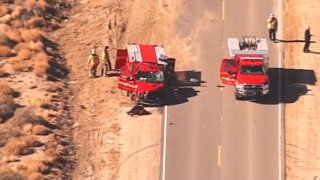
x: 236, y: 94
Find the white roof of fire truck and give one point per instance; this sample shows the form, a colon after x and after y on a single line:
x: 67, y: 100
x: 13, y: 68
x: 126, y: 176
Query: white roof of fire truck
x: 248, y: 45
x: 146, y: 53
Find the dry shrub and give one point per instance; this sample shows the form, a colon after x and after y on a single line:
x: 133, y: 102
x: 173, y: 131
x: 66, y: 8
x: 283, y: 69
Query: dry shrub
x: 18, y: 65
x: 36, y: 46
x: 27, y: 128
x: 4, y: 9
x: 15, y: 146
x: 5, y: 40
x: 5, y: 89
x: 43, y: 102
x: 14, y: 35
x: 4, y: 28
x: 35, y: 166
x: 6, y: 133
x: 43, y: 4
x: 6, y: 18
x: 20, y: 46
x: 35, y: 176
x: 35, y: 22
x: 7, y: 107
x: 29, y: 3
x: 10, y: 175
x: 3, y: 73
x: 31, y: 141
x: 5, y: 51
x: 25, y: 54
x: 16, y: 24
x: 41, y: 64
x: 24, y: 116
x: 40, y: 130
x: 31, y: 35
x: 8, y: 159
x: 16, y: 11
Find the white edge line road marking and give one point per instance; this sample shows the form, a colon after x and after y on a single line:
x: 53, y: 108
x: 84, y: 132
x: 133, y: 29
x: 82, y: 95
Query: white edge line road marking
x: 281, y: 113
x: 223, y: 9
x: 164, y: 143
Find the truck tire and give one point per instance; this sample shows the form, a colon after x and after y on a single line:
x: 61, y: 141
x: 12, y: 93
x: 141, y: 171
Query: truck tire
x: 236, y: 95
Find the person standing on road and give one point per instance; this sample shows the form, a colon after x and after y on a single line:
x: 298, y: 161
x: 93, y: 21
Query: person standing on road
x: 106, y: 63
x: 93, y: 62
x: 272, y: 24
x: 307, y: 40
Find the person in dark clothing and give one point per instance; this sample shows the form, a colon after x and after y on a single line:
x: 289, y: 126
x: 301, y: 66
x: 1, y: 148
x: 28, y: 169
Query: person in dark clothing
x: 307, y: 39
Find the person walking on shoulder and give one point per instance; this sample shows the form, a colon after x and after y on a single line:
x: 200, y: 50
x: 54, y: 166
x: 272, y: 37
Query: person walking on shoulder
x: 272, y: 24
x: 106, y: 66
x: 307, y: 40
x: 93, y: 62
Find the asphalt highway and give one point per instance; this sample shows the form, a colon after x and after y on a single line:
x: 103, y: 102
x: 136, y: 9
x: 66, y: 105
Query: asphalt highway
x: 207, y: 134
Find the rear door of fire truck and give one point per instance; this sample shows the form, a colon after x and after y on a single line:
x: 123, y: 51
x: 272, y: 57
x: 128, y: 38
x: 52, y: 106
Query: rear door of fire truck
x: 126, y: 79
x: 228, y: 71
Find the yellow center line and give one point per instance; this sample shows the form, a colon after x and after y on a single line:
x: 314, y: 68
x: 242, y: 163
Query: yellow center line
x: 219, y: 155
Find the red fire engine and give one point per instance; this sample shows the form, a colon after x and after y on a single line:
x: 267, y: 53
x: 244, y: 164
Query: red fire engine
x: 247, y: 67
x: 144, y: 72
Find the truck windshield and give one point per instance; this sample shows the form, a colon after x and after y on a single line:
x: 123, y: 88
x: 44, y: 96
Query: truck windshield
x: 153, y: 77
x: 252, y: 70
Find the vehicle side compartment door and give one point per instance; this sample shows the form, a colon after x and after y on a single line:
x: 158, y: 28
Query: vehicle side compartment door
x: 126, y: 79
x: 228, y: 72
x: 121, y: 58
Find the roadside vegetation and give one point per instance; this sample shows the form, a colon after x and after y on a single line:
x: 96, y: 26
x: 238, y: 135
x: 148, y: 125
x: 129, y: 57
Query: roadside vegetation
x: 34, y: 126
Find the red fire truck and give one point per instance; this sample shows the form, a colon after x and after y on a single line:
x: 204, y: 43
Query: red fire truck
x: 144, y: 72
x: 247, y: 67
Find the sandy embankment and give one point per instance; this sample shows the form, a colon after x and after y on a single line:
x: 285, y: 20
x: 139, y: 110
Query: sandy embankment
x: 302, y: 117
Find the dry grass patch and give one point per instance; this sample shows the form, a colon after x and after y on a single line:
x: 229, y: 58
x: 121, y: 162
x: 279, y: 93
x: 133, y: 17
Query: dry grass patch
x: 5, y: 51
x: 5, y: 89
x: 18, y: 65
x: 31, y: 35
x: 14, y: 34
x: 25, y: 54
x: 5, y: 40
x: 3, y: 73
x: 35, y: 22
x: 10, y: 175
x: 41, y: 64
x: 7, y: 107
x: 7, y: 133
x: 15, y: 146
x: 43, y: 102
x: 36, y: 46
x: 6, y: 18
x: 40, y: 130
x: 4, y: 9
x: 16, y: 11
x: 20, y: 46
x: 23, y: 116
x: 35, y: 176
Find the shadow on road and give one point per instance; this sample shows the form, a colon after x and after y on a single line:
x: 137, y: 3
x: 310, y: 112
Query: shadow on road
x: 292, y: 41
x: 287, y: 85
x: 181, y: 86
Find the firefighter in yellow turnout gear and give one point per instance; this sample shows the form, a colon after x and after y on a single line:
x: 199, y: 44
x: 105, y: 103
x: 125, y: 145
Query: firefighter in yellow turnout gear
x: 93, y: 62
x: 106, y: 63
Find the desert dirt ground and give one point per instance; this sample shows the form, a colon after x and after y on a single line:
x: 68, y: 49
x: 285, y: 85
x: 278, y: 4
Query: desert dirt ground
x: 302, y: 123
